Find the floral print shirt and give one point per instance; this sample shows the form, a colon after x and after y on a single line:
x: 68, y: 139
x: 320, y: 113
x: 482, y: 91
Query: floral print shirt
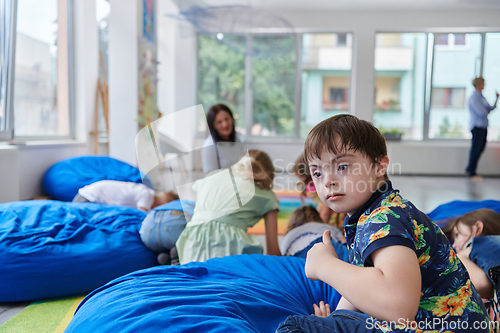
x: 448, y: 300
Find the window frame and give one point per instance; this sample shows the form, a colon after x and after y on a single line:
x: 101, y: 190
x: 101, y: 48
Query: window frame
x: 429, y: 62
x: 71, y: 84
x: 427, y: 82
x: 295, y: 136
x: 8, y: 133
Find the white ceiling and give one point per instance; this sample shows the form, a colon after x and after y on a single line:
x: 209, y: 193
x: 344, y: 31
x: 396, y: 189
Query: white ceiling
x: 353, y: 4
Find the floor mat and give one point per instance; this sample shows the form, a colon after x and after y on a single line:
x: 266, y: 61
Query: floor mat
x: 47, y: 316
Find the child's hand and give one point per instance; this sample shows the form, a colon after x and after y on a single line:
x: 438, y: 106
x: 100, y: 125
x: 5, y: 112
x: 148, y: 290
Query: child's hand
x: 318, y: 256
x: 323, y: 310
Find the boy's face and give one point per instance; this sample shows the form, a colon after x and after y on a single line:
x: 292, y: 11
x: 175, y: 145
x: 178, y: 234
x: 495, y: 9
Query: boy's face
x: 346, y: 181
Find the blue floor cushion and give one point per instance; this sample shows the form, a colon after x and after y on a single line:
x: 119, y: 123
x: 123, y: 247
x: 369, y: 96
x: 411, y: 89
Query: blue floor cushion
x: 63, y: 180
x: 243, y: 293
x: 444, y: 212
x: 53, y: 249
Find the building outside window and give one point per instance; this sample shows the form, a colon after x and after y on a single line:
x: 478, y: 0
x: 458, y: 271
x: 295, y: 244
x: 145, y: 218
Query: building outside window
x: 326, y: 76
x: 42, y: 105
x: 452, y: 74
x: 448, y: 98
x: 400, y: 60
x: 422, y: 82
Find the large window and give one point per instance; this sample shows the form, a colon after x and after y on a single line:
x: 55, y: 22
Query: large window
x: 7, y: 21
x: 491, y: 74
x: 422, y: 81
x: 42, y: 104
x: 273, y: 85
x: 400, y: 60
x: 103, y: 8
x: 222, y: 76
x: 255, y: 76
x: 452, y: 72
x: 326, y: 76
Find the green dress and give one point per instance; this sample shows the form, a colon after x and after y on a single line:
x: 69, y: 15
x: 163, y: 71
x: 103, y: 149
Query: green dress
x: 224, y: 210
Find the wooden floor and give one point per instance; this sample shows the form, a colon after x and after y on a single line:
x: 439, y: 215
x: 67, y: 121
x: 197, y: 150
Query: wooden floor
x: 425, y: 192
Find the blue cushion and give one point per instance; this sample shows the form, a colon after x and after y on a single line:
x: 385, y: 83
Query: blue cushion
x: 458, y: 208
x: 244, y: 293
x: 54, y: 249
x: 63, y: 180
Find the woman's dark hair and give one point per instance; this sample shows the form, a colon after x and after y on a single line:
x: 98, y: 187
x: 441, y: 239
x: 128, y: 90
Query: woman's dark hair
x: 212, y: 112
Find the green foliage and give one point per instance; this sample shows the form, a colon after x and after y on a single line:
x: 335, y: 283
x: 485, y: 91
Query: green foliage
x: 222, y: 80
x: 446, y: 130
x: 390, y: 131
x: 221, y: 76
x: 390, y: 105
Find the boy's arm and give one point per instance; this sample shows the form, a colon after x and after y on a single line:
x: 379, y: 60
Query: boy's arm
x: 388, y: 291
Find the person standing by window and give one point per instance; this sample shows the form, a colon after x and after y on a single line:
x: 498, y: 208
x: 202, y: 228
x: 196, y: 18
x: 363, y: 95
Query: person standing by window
x: 479, y: 110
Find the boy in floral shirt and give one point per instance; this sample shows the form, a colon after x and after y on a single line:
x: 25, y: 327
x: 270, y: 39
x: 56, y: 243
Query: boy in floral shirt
x: 403, y: 274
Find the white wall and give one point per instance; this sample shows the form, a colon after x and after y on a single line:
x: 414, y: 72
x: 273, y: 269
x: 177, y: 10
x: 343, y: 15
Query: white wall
x: 9, y: 177
x: 123, y: 79
x: 415, y: 158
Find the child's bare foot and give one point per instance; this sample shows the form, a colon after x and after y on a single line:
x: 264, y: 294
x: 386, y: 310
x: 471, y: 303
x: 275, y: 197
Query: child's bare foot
x: 323, y: 310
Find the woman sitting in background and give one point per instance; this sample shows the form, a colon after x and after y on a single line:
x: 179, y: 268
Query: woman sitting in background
x: 224, y: 146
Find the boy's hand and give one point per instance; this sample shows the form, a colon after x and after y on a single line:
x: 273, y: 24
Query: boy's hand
x: 323, y: 310
x: 318, y: 256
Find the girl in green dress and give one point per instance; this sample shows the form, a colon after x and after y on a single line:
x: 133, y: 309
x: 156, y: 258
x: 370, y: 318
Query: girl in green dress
x: 229, y: 201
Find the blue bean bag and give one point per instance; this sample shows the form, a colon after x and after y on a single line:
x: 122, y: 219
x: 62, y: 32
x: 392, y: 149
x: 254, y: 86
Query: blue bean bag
x: 53, y: 249
x: 63, y: 180
x: 244, y: 293
x: 458, y: 208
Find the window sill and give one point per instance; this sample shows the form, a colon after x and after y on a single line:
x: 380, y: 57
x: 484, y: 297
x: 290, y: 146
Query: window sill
x: 41, y: 143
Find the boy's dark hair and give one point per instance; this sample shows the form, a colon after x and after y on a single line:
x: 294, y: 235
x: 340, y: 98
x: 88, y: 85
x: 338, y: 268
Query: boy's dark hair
x: 344, y: 132
x: 303, y: 215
